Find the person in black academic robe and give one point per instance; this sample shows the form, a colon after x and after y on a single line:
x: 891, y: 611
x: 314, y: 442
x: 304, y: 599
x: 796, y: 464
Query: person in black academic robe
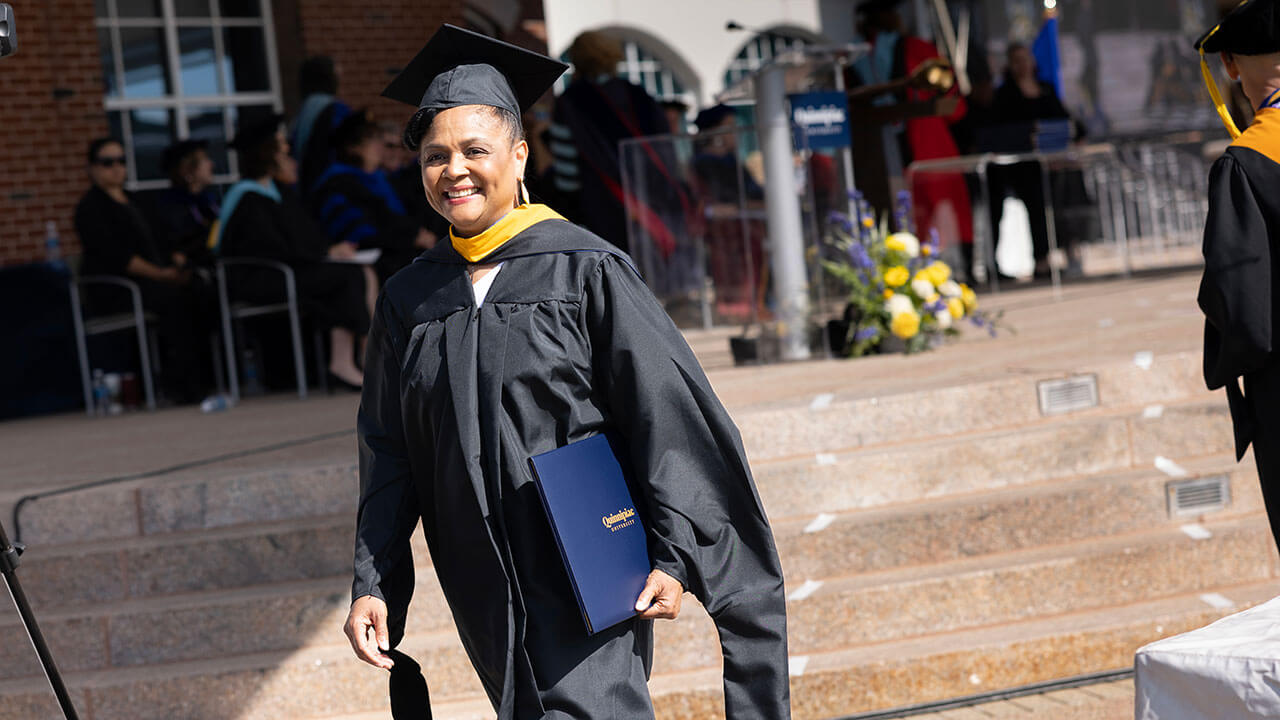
x: 355, y: 203
x: 1242, y: 249
x: 117, y: 240
x: 522, y: 334
x: 183, y: 215
x: 263, y: 219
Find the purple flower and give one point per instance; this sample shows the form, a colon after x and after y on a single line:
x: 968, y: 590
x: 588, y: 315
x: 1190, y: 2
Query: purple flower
x: 859, y: 256
x: 866, y: 333
x: 840, y: 219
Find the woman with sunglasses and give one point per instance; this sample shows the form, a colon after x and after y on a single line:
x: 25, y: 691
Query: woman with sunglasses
x: 117, y: 240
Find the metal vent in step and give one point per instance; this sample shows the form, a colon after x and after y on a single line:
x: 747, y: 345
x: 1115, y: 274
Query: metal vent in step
x: 1198, y: 495
x: 1068, y: 394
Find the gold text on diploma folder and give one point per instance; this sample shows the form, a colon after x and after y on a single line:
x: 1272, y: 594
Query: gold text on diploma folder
x: 619, y: 520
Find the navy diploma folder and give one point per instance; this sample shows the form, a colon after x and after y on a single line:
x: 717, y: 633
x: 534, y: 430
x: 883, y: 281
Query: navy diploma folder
x: 596, y: 526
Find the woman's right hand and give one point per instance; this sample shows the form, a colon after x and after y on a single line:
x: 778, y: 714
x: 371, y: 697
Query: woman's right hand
x: 366, y: 628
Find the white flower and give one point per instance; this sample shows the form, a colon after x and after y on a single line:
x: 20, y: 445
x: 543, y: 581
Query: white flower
x: 900, y: 303
x: 922, y: 287
x: 950, y: 289
x: 944, y: 319
x: 903, y: 242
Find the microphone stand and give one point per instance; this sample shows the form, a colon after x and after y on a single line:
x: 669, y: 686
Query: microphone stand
x: 9, y: 561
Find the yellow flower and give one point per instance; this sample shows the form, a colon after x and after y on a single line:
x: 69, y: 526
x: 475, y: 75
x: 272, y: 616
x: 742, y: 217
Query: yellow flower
x: 926, y: 250
x: 905, y: 324
x: 969, y: 298
x: 937, y: 272
x: 896, y: 276
x: 895, y: 243
x: 932, y: 298
x: 868, y: 222
x: 955, y: 306
x: 888, y: 293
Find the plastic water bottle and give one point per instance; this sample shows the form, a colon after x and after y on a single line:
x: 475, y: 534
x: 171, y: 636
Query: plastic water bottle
x: 101, y: 393
x: 215, y: 403
x: 52, y: 244
x: 252, y: 383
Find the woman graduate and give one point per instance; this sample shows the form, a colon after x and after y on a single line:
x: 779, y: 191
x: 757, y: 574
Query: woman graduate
x: 522, y: 334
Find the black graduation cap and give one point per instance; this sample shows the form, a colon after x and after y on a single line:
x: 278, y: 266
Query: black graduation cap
x: 176, y: 152
x: 255, y: 132
x: 461, y: 67
x: 712, y: 116
x: 1252, y: 28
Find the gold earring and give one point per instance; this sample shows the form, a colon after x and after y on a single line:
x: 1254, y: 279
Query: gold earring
x: 524, y: 192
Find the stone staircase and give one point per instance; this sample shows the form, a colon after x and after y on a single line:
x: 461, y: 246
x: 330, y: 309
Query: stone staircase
x: 937, y: 542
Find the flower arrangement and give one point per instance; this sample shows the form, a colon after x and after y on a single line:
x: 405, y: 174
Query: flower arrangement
x: 900, y: 292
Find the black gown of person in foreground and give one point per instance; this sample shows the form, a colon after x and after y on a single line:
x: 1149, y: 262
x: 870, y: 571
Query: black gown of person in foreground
x: 568, y: 343
x: 1239, y: 297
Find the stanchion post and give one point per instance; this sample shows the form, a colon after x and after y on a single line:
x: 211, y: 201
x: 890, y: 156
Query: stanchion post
x: 782, y: 206
x: 10, y: 558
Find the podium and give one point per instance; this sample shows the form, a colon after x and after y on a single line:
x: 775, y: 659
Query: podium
x: 1227, y: 670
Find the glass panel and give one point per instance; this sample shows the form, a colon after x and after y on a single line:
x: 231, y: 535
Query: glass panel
x: 145, y: 74
x: 110, y: 83
x: 191, y: 8
x: 242, y: 115
x: 152, y: 133
x: 115, y: 125
x: 240, y: 8
x: 246, y: 62
x: 138, y: 8
x: 100, y: 9
x: 205, y: 124
x: 199, y: 69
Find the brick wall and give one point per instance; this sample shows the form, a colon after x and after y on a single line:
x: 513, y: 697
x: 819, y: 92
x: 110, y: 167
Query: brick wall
x: 51, y: 92
x: 371, y: 42
x: 50, y: 107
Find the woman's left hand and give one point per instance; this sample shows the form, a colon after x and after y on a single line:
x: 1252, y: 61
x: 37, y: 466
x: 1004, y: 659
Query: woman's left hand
x: 660, y: 599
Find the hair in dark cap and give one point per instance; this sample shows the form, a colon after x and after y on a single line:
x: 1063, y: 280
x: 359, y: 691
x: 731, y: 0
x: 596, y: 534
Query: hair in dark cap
x: 318, y: 75
x: 97, y: 144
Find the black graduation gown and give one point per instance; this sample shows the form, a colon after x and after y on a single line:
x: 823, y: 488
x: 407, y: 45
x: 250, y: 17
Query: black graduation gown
x: 568, y: 342
x: 330, y: 294
x: 1238, y: 297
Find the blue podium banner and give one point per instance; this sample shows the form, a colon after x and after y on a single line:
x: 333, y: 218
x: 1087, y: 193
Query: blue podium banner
x: 824, y: 117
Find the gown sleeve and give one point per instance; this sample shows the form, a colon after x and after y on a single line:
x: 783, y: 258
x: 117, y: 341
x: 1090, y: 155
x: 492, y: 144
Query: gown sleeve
x: 1235, y: 293
x: 707, y: 526
x: 388, y: 511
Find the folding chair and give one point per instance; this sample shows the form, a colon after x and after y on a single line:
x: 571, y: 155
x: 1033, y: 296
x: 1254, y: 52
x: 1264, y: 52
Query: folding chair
x: 240, y: 310
x: 138, y: 319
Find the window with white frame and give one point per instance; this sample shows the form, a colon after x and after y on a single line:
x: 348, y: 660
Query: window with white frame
x: 759, y: 50
x: 644, y: 69
x: 178, y: 69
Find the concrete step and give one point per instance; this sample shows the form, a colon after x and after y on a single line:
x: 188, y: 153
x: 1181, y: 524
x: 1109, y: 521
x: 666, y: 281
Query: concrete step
x: 94, y: 573
x: 932, y: 467
x: 328, y: 683
x: 916, y: 467
x: 215, y: 500
x: 811, y: 546
x: 823, y: 614
x: 1011, y: 518
x: 851, y: 419
x: 1021, y: 585
x: 893, y: 674
x: 314, y: 682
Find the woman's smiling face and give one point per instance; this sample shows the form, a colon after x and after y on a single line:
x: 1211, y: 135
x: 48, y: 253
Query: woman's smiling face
x: 471, y: 167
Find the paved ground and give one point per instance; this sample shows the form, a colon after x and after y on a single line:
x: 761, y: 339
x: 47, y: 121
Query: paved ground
x: 1105, y: 701
x: 1090, y: 323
